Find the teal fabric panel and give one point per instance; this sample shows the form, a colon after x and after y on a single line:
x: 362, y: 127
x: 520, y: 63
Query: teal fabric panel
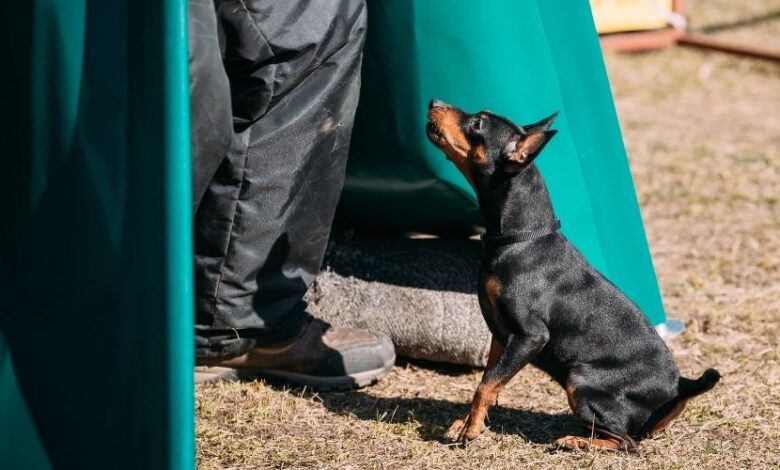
x: 520, y: 58
x: 20, y: 445
x: 96, y: 279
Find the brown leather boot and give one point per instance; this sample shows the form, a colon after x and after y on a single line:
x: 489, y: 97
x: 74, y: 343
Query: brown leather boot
x: 321, y: 356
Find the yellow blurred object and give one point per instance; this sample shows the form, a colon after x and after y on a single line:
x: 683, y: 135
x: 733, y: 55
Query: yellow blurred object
x: 612, y: 16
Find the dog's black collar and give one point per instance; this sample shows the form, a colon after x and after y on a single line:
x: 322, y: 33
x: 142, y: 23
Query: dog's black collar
x: 490, y: 239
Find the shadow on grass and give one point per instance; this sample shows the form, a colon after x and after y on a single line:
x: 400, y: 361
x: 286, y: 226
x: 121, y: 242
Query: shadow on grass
x: 433, y: 417
x: 441, y: 368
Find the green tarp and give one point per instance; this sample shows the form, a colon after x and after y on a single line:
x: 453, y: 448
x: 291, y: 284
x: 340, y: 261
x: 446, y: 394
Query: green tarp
x: 523, y: 59
x: 95, y: 278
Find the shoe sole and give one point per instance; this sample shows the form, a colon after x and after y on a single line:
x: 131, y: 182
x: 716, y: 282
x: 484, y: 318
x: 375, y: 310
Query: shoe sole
x: 331, y: 384
x: 212, y: 374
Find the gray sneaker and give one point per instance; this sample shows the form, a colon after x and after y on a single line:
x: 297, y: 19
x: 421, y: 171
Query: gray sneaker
x: 321, y: 357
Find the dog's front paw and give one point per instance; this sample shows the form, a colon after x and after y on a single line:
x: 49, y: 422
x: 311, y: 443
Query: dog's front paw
x: 455, y: 430
x: 464, y: 430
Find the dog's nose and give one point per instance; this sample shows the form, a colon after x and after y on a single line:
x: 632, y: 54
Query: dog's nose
x: 437, y: 104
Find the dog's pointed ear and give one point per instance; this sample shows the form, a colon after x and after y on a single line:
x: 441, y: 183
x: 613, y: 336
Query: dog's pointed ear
x: 541, y: 126
x: 523, y: 150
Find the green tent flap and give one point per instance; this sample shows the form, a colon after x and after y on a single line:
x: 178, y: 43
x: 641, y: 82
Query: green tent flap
x: 20, y: 445
x: 96, y: 279
x: 519, y: 58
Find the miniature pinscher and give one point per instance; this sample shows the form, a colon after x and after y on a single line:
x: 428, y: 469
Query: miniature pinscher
x: 546, y: 305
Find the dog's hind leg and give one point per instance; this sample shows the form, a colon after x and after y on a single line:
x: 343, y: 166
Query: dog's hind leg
x: 663, y: 416
x: 686, y: 389
x: 579, y: 442
x: 600, y: 438
x: 675, y: 412
x: 599, y: 413
x: 519, y: 351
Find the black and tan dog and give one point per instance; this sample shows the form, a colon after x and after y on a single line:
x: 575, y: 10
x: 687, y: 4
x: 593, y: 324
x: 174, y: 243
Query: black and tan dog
x: 546, y: 305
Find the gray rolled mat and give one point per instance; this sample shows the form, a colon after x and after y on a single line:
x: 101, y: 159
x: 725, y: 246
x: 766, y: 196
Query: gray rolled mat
x: 420, y: 292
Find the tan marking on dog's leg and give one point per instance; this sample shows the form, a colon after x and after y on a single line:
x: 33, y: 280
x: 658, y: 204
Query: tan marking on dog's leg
x: 468, y: 429
x: 570, y: 396
x: 578, y: 442
x: 496, y: 349
x: 487, y: 392
x: 484, y: 398
x: 675, y: 412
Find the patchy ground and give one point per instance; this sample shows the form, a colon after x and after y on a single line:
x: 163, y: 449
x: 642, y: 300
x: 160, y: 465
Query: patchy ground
x: 703, y: 135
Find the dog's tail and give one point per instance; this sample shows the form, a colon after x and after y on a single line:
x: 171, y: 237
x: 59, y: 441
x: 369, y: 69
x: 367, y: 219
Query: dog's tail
x: 687, y: 388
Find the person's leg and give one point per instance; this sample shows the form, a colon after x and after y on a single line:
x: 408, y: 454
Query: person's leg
x: 263, y: 224
x: 211, y: 118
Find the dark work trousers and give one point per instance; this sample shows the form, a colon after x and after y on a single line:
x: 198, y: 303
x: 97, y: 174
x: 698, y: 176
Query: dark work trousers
x: 274, y: 87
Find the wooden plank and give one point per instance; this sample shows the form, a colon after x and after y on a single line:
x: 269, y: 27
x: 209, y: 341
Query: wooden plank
x: 641, y: 40
x: 720, y: 45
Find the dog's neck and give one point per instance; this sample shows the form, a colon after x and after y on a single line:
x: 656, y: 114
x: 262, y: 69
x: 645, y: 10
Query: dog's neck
x: 517, y: 204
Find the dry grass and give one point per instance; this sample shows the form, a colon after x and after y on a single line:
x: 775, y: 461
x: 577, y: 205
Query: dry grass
x: 703, y: 134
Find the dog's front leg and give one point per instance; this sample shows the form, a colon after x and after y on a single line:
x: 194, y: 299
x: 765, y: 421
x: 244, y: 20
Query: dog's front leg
x: 496, y: 350
x: 520, y: 350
